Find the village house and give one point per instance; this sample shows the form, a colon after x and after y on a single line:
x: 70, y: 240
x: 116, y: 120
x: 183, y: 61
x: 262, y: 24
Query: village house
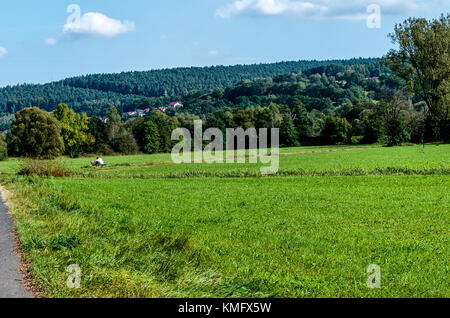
x: 175, y: 105
x: 147, y: 111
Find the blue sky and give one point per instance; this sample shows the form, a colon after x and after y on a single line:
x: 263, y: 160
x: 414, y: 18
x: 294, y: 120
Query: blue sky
x: 38, y: 44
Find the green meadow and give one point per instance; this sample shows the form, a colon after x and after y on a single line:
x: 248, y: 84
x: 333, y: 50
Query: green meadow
x: 145, y: 227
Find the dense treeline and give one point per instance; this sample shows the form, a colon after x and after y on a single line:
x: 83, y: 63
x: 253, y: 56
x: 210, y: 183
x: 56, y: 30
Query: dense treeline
x: 48, y: 96
x: 39, y: 134
x: 36, y: 133
x: 323, y: 88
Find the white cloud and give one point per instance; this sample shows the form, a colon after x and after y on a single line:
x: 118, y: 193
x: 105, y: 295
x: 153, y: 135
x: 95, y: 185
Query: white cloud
x: 346, y: 9
x: 51, y: 41
x: 163, y: 37
x: 3, y: 51
x: 214, y: 52
x: 97, y: 24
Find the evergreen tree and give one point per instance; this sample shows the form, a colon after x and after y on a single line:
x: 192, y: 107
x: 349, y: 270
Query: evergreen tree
x: 288, y: 133
x: 151, y: 137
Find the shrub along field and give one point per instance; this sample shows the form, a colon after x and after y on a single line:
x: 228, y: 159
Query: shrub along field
x: 144, y: 227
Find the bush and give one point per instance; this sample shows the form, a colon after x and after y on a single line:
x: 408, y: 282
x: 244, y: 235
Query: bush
x: 373, y: 130
x: 396, y: 132
x: 3, y: 148
x: 336, y: 130
x: 43, y: 168
x: 356, y: 140
x: 105, y: 150
x: 126, y: 144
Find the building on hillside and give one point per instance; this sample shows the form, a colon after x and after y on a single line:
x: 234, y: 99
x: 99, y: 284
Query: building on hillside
x: 175, y: 105
x: 130, y: 114
x: 138, y: 112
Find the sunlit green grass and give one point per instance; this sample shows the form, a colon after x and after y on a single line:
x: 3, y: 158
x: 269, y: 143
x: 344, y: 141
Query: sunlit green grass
x: 273, y: 237
x: 144, y: 227
x: 307, y: 159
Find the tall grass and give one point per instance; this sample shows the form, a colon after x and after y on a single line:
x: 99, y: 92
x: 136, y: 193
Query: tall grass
x: 43, y: 168
x: 388, y: 171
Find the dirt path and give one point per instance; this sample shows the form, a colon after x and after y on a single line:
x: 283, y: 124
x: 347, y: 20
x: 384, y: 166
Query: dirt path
x: 11, y: 279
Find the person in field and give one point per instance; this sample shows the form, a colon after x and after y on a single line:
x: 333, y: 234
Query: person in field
x: 98, y: 163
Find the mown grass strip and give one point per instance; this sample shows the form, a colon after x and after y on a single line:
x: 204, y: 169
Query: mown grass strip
x: 282, y: 173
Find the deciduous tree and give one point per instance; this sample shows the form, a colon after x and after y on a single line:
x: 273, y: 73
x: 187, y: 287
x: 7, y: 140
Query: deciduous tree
x: 391, y: 110
x: 74, y: 130
x: 36, y: 133
x: 336, y: 130
x: 422, y: 61
x: 301, y: 120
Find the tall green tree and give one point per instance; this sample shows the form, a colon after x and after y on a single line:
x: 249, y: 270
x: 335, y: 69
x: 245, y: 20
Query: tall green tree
x: 373, y: 129
x: 391, y: 109
x: 135, y: 126
x: 151, y: 138
x: 114, y: 127
x: 263, y: 117
x: 288, y: 133
x: 301, y: 120
x: 422, y: 61
x: 186, y: 120
x: 74, y: 130
x: 165, y: 125
x: 336, y: 130
x: 97, y: 129
x: 36, y: 133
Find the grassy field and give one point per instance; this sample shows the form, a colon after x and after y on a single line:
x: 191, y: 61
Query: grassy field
x: 144, y: 227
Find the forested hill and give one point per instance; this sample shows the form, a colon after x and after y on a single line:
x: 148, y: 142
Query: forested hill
x: 94, y: 93
x: 179, y: 81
